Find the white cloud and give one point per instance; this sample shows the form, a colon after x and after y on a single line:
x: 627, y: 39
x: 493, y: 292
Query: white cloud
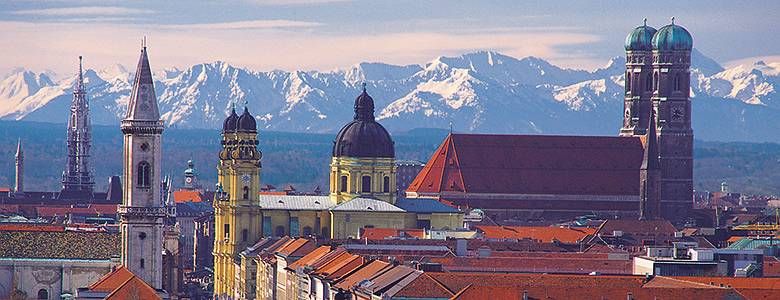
x: 43, y: 46
x: 83, y: 11
x: 293, y: 2
x: 254, y: 24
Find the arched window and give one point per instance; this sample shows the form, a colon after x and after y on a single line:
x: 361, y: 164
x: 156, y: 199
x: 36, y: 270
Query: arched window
x: 246, y: 193
x: 366, y: 184
x: 244, y: 235
x: 43, y: 294
x: 655, y: 80
x: 386, y: 184
x: 280, y: 231
x: 343, y: 184
x: 144, y: 174
x: 628, y: 82
x: 677, y: 83
x: 142, y: 263
x: 649, y: 83
x: 307, y: 231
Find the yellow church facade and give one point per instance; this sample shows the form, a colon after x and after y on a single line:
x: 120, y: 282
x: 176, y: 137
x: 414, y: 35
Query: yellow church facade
x: 362, y: 194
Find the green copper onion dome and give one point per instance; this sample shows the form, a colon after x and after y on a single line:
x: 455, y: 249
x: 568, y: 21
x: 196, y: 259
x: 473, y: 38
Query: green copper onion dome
x: 640, y: 38
x: 672, y: 37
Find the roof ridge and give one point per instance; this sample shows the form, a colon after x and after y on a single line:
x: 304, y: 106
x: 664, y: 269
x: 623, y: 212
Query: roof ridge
x: 440, y: 284
x: 106, y: 276
x: 690, y: 282
x: 457, y: 163
x: 120, y: 286
x: 463, y: 290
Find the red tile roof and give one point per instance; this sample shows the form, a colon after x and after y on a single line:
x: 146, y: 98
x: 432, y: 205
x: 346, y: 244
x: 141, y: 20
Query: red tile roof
x: 296, y: 247
x: 187, y: 196
x: 92, y: 209
x: 771, y: 266
x: 311, y: 257
x: 123, y: 284
x: 366, y: 271
x: 32, y: 227
x: 635, y: 232
x: 532, y: 164
x: 551, y: 265
x: 478, y: 292
x: 539, y: 233
x: 385, y: 233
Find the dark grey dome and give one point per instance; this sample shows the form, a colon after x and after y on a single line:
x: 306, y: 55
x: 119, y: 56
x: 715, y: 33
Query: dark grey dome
x: 246, y: 122
x: 363, y: 137
x: 231, y: 122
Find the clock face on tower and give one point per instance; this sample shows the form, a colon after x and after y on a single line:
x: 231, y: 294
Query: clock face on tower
x: 246, y: 178
x: 188, y: 180
x: 677, y: 114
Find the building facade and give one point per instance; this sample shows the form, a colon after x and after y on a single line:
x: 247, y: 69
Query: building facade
x: 142, y: 210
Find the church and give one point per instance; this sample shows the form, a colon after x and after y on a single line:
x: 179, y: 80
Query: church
x: 362, y: 193
x: 646, y: 172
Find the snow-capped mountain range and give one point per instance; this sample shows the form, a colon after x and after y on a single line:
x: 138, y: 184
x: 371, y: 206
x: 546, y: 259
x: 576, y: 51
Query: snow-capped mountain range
x: 483, y: 92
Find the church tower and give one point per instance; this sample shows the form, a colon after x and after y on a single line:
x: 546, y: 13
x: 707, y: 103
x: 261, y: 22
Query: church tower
x: 191, y: 176
x: 142, y: 211
x: 363, y: 163
x: 77, y: 181
x: 19, y: 184
x: 236, y: 205
x: 672, y: 46
x: 639, y: 82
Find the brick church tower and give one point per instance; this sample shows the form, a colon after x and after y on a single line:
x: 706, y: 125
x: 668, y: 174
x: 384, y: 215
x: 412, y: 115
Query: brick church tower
x: 658, y: 79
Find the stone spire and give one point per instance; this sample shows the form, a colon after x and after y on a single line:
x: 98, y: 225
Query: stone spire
x: 19, y: 184
x: 650, y: 184
x: 143, y: 101
x: 77, y: 178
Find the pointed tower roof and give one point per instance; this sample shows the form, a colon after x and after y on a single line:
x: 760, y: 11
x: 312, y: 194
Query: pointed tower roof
x: 80, y: 88
x: 143, y: 101
x: 650, y: 158
x: 19, y: 151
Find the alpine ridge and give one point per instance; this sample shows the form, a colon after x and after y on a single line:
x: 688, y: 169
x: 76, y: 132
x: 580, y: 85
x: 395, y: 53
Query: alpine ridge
x: 481, y: 91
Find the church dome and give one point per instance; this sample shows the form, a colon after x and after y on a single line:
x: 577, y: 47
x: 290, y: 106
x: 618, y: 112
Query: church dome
x: 363, y: 137
x: 231, y: 122
x: 672, y: 37
x: 641, y: 38
x: 246, y: 122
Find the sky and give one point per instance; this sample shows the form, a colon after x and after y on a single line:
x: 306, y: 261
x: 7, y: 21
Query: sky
x: 325, y: 35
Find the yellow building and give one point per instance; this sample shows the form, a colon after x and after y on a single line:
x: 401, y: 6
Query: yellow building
x: 362, y: 194
x: 236, y: 205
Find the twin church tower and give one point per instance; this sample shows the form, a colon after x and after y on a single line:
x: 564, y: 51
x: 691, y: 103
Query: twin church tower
x: 657, y: 106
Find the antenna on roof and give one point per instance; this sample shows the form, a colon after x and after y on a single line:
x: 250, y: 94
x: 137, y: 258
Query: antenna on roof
x: 672, y: 20
x: 645, y: 21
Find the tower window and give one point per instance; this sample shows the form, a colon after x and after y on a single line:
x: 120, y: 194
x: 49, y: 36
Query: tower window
x: 677, y: 83
x: 246, y: 193
x: 227, y: 231
x: 386, y: 184
x: 649, y: 83
x: 655, y: 79
x: 43, y: 294
x: 144, y: 174
x: 366, y: 184
x: 244, y: 235
x: 343, y: 184
x: 142, y: 263
x: 628, y: 82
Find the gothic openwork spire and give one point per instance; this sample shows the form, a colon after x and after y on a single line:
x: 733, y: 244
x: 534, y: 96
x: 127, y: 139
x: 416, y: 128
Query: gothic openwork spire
x: 77, y: 177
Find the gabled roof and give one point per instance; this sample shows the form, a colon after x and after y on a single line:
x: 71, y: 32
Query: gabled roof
x: 123, y: 284
x: 423, y: 205
x: 285, y: 202
x: 311, y: 257
x: 387, y: 279
x: 366, y: 204
x: 366, y: 271
x: 385, y: 233
x: 532, y: 164
x: 540, y: 233
x: 296, y: 247
x: 59, y: 245
x: 187, y: 196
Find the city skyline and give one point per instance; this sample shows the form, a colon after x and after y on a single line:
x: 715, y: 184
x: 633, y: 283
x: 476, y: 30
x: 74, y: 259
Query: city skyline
x: 326, y: 35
